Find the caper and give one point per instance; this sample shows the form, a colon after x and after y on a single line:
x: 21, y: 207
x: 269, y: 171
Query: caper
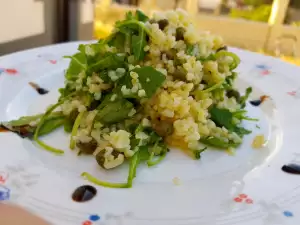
x: 152, y: 21
x: 171, y: 54
x: 87, y: 148
x: 162, y: 24
x: 73, y: 115
x: 179, y: 74
x: 233, y: 93
x: 222, y: 48
x: 163, y: 128
x: 180, y: 33
x: 100, y: 158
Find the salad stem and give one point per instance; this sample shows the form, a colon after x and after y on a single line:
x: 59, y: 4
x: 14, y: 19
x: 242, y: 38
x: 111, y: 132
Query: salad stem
x: 96, y: 181
x: 36, y: 133
x: 75, y: 129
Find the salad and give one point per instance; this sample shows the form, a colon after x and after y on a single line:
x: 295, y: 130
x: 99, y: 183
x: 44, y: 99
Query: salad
x: 154, y: 83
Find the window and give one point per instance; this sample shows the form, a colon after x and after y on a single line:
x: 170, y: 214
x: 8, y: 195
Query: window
x: 293, y: 13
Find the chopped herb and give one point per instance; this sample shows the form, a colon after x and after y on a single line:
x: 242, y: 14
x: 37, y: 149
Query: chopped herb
x: 218, y: 143
x: 197, y: 153
x: 244, y: 98
x: 138, y: 44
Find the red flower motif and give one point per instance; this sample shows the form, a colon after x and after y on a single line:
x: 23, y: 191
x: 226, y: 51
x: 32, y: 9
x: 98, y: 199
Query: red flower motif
x: 237, y: 199
x: 292, y: 93
x: 265, y: 72
x: 2, y: 179
x: 11, y: 71
x: 243, y: 196
x: 53, y: 61
x: 87, y: 222
x: 249, y: 201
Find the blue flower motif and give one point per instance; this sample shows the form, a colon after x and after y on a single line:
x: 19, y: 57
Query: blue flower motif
x: 288, y: 213
x: 262, y: 66
x: 94, y: 218
x: 1, y: 70
x: 4, y: 193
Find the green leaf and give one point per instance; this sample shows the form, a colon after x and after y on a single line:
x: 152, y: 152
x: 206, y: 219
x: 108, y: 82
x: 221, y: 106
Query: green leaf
x: 114, y: 112
x: 222, y: 117
x: 141, y: 16
x: 51, y: 124
x: 111, y: 61
x: 77, y: 65
x: 118, y: 41
x: 241, y: 131
x: 24, y: 120
x: 132, y: 168
x: 150, y: 79
x: 244, y: 98
x: 216, y: 142
x: 143, y: 153
x: 68, y: 125
x: 138, y: 44
x: 129, y: 16
x: 197, y: 153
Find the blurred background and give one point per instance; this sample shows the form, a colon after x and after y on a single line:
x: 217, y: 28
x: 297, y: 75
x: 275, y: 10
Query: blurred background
x: 270, y: 27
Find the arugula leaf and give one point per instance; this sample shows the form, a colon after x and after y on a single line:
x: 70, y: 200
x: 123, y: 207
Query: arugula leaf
x: 216, y: 142
x: 244, y: 98
x: 114, y: 112
x: 141, y: 16
x: 150, y: 79
x: 132, y: 168
x: 129, y: 16
x: 24, y: 120
x: 143, y: 153
x: 222, y: 117
x: 241, y: 131
x: 77, y: 65
x: 118, y: 41
x: 111, y: 61
x: 51, y: 124
x: 138, y: 44
x: 68, y: 125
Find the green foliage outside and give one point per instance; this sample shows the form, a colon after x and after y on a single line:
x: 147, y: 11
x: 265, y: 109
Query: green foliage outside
x: 260, y: 13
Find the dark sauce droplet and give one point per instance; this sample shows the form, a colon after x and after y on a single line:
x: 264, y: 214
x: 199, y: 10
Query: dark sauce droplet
x: 42, y: 91
x: 255, y: 102
x: 291, y: 168
x: 39, y: 90
x: 84, y: 193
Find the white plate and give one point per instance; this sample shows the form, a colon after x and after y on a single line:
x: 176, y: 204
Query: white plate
x: 246, y: 189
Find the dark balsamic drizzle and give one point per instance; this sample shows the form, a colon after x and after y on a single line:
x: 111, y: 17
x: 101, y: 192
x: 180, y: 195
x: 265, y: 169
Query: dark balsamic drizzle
x: 84, y: 193
x: 255, y: 102
x: 291, y: 168
x: 39, y: 90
